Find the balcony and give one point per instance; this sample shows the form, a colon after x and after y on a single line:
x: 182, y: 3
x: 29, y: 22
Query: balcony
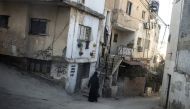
x: 125, y: 51
x: 124, y: 22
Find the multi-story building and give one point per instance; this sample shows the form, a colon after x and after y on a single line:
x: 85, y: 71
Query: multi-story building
x: 59, y: 38
x: 131, y: 32
x: 175, y: 93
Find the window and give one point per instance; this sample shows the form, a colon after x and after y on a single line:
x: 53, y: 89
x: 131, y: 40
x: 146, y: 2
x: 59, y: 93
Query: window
x: 115, y: 38
x: 85, y: 34
x: 81, y: 1
x: 139, y: 42
x: 129, y: 7
x: 169, y: 38
x: 143, y: 14
x: 147, y: 44
x: 38, y: 26
x: 4, y: 21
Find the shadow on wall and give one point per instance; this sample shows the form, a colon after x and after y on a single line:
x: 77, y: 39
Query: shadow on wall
x: 176, y: 105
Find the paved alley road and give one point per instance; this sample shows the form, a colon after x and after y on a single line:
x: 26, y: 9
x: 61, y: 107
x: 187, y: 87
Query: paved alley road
x: 19, y: 91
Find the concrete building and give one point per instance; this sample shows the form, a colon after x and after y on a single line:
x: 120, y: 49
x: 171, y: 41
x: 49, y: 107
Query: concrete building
x: 131, y: 37
x: 59, y: 38
x: 175, y: 93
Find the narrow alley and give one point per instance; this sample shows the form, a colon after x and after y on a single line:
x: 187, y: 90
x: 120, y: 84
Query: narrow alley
x: 20, y: 91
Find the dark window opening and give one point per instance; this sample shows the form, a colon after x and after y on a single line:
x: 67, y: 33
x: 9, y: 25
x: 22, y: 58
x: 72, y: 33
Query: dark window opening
x: 4, y: 19
x: 139, y: 42
x: 115, y: 38
x: 129, y: 7
x: 38, y: 26
x: 169, y: 38
x: 147, y: 44
x: 143, y: 14
x: 82, y: 1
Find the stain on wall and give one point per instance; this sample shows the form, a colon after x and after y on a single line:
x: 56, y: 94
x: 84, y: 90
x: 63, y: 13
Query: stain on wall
x: 59, y: 69
x: 176, y: 105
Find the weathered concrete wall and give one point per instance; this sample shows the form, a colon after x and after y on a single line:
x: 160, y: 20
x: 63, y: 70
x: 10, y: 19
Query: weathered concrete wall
x: 134, y: 87
x: 109, y: 4
x: 184, y: 40
x: 71, y: 77
x: 56, y: 33
x: 124, y: 38
x: 171, y: 50
x: 13, y: 39
x: 123, y: 22
x: 179, y: 90
x: 16, y: 40
x: 96, y: 5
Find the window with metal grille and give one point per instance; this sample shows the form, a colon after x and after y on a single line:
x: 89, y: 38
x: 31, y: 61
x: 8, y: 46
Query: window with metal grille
x: 38, y: 26
x: 4, y: 19
x: 85, y: 34
x: 129, y: 7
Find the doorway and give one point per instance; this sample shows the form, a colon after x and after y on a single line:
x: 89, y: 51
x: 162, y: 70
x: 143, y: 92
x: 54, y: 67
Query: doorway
x: 168, y: 90
x: 83, y: 72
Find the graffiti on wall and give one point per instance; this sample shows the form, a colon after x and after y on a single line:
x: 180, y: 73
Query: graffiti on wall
x: 44, y: 54
x: 61, y: 68
x: 73, y: 70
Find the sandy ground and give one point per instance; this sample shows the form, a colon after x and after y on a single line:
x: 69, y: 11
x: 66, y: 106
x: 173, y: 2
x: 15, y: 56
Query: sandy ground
x: 18, y: 91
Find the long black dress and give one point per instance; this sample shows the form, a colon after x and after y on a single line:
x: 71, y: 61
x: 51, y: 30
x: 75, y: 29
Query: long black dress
x: 94, y: 88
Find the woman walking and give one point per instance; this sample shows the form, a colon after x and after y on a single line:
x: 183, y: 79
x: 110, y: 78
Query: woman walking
x: 94, y: 88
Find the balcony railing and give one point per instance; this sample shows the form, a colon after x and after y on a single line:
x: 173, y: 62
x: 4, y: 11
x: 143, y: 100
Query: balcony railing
x: 125, y: 51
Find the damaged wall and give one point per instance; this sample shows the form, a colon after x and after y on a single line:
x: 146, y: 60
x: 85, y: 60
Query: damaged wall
x: 183, y: 58
x: 40, y: 47
x: 134, y: 87
x: 179, y: 92
x: 13, y: 39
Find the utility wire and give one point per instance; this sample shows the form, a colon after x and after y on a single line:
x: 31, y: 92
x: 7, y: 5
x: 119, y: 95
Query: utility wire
x: 152, y: 13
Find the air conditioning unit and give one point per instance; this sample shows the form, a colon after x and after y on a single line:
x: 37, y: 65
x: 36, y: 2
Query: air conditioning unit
x: 140, y: 49
x: 146, y: 25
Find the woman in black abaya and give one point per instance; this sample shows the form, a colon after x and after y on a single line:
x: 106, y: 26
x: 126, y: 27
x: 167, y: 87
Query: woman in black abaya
x: 94, y: 88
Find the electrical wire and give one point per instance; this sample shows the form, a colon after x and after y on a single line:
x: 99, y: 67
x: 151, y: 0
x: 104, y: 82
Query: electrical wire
x: 154, y: 14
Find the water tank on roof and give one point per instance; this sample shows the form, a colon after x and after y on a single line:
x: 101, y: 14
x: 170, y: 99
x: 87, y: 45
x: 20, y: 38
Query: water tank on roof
x: 154, y: 5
